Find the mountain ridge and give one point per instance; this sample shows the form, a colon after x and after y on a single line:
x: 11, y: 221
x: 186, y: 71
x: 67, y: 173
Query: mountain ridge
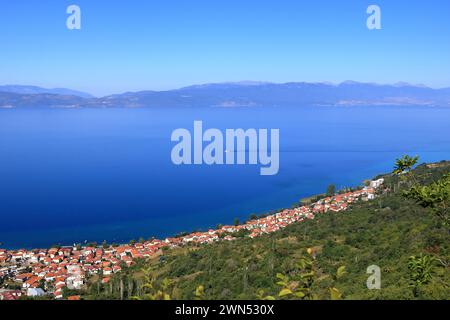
x: 235, y: 94
x: 24, y: 89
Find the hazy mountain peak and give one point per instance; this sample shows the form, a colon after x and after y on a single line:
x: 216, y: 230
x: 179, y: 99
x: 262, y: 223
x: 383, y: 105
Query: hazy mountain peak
x: 250, y: 83
x: 407, y: 84
x: 20, y: 89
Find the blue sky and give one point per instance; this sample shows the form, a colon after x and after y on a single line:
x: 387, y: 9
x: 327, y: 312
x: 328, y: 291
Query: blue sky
x: 163, y: 44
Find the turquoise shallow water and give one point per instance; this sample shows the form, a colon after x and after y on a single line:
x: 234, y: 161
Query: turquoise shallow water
x: 72, y: 175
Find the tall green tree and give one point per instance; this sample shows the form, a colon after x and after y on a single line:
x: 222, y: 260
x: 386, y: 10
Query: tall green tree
x: 404, y: 168
x: 331, y: 190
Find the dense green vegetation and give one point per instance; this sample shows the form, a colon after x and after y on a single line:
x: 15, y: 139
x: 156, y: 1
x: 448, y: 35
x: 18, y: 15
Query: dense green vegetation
x: 319, y: 259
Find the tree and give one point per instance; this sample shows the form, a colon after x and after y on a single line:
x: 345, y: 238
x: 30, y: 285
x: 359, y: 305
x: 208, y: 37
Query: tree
x: 404, y: 168
x: 335, y: 294
x: 331, y: 190
x: 421, y: 271
x: 42, y: 284
x: 300, y: 284
x: 236, y: 222
x: 436, y: 197
x: 154, y: 290
x: 405, y: 164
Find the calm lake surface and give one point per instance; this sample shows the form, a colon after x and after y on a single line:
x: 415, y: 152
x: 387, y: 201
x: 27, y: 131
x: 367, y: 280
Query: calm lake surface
x: 67, y: 176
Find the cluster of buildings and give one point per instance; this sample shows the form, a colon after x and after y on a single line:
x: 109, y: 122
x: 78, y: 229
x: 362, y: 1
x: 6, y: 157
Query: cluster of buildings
x: 42, y: 272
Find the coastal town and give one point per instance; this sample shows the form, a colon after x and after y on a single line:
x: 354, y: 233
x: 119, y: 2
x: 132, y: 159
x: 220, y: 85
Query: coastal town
x: 50, y: 272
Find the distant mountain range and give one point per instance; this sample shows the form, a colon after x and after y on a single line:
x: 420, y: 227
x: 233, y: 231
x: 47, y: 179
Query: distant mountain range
x: 39, y: 90
x: 236, y: 94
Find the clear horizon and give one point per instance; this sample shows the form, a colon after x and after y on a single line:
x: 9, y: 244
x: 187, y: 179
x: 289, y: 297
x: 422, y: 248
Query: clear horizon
x: 127, y: 47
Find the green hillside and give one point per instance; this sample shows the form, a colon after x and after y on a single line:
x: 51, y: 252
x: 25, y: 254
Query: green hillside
x: 385, y: 232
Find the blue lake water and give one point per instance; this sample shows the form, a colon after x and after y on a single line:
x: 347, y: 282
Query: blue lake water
x: 68, y: 176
